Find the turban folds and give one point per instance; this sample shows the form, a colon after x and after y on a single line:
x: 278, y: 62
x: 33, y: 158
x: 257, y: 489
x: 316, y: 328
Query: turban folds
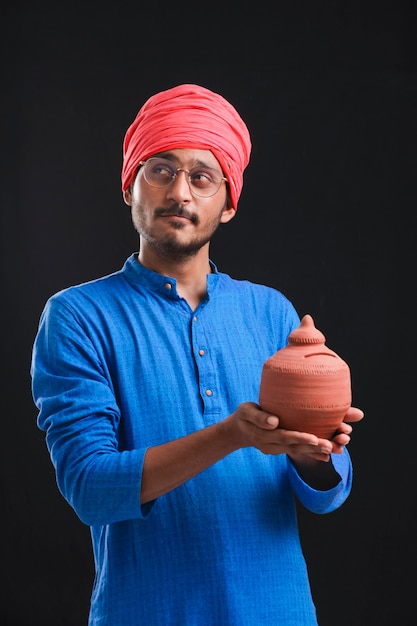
x: 189, y: 116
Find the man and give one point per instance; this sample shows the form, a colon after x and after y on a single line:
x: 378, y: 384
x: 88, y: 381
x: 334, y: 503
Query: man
x: 147, y: 383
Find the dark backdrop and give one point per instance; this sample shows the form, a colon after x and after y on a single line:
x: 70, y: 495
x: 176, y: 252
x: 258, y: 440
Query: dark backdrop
x: 329, y: 92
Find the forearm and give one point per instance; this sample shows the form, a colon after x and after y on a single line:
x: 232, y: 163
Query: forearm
x: 171, y: 464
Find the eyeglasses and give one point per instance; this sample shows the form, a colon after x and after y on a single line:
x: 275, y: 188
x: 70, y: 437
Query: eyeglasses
x: 203, y: 181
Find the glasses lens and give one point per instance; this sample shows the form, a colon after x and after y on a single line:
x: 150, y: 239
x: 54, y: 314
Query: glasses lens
x: 203, y: 181
x: 159, y: 172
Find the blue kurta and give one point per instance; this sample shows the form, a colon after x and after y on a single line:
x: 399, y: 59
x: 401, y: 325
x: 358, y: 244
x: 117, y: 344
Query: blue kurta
x: 122, y: 363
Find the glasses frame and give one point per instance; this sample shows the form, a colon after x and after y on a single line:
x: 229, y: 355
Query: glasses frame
x: 179, y: 169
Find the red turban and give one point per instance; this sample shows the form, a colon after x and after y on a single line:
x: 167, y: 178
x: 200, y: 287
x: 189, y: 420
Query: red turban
x: 189, y: 116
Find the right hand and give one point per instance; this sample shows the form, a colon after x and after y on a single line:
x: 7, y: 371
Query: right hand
x: 249, y: 426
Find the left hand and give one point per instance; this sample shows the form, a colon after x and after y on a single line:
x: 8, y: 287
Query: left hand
x: 336, y: 444
x: 342, y: 436
x: 323, y: 475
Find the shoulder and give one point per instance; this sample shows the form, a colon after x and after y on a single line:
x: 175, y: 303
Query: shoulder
x: 97, y: 288
x: 266, y: 303
x: 257, y: 292
x: 89, y: 299
x: 83, y: 292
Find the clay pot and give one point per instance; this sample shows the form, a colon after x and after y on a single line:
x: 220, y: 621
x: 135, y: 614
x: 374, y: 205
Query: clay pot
x: 306, y: 384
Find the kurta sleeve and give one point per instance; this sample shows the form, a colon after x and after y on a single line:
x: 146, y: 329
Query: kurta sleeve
x: 79, y: 412
x: 331, y: 499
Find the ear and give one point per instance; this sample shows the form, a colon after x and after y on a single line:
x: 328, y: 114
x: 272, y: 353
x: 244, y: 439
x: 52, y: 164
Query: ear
x: 227, y: 215
x: 127, y: 196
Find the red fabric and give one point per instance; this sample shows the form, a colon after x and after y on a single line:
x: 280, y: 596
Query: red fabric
x: 189, y: 116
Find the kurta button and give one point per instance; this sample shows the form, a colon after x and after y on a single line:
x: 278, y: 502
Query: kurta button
x: 201, y: 352
x: 209, y: 392
x: 168, y: 286
x: 195, y: 318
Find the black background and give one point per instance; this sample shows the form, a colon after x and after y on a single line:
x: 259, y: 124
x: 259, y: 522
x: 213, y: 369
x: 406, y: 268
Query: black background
x: 329, y: 93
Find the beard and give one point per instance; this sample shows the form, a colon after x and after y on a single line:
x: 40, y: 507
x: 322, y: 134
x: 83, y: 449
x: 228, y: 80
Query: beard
x: 167, y: 244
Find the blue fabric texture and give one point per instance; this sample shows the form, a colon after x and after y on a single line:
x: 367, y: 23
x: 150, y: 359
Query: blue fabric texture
x: 122, y: 363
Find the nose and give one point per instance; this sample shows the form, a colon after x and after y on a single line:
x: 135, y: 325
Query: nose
x: 179, y: 190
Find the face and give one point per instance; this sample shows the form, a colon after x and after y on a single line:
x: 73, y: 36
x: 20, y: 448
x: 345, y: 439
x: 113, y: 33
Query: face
x: 172, y: 219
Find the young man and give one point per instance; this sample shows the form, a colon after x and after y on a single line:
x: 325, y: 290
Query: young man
x: 147, y: 383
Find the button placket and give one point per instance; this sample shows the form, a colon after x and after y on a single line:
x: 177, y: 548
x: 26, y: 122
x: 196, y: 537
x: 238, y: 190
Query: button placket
x: 202, y: 361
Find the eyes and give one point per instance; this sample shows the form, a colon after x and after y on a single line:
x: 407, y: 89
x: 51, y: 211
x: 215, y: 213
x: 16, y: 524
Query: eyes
x: 203, y: 181
x: 197, y: 176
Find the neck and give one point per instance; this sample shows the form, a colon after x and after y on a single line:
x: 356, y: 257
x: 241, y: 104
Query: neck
x: 189, y: 272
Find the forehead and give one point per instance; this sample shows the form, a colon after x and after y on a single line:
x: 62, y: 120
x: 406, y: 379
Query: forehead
x: 190, y: 157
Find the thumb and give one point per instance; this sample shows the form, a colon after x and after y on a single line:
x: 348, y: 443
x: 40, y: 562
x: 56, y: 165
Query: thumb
x: 272, y: 421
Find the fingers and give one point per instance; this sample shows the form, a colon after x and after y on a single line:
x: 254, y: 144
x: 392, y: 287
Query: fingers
x: 295, y: 437
x: 353, y: 414
x: 283, y: 436
x: 341, y: 439
x: 344, y: 429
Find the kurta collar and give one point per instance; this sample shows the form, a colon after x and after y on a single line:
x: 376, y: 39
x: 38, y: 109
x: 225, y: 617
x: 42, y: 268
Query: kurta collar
x: 137, y: 274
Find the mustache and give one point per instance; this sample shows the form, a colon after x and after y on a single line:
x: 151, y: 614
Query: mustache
x: 177, y: 210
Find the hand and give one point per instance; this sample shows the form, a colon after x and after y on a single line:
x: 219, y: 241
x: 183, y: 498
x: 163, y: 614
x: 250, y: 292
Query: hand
x: 254, y: 427
x: 249, y: 426
x: 339, y: 440
x: 257, y: 428
x: 318, y: 474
